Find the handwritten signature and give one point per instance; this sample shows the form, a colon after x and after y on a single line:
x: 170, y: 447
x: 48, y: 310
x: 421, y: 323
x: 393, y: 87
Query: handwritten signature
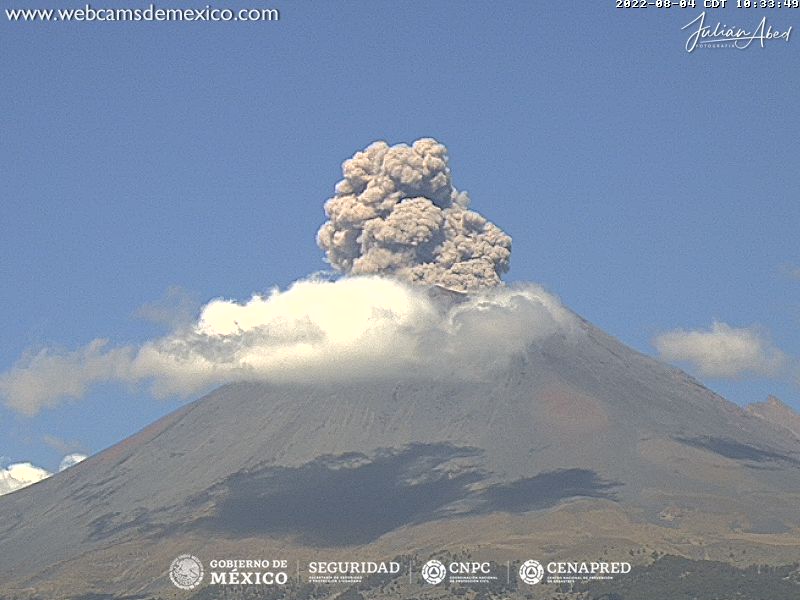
x: 736, y: 36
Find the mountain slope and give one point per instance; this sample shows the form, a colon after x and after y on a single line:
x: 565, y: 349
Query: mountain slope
x: 777, y: 413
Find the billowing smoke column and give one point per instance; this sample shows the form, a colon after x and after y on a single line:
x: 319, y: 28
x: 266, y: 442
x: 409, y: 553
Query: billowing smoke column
x: 396, y: 212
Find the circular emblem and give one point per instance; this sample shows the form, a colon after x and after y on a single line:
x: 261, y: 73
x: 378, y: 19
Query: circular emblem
x: 531, y: 572
x: 434, y: 572
x: 186, y: 572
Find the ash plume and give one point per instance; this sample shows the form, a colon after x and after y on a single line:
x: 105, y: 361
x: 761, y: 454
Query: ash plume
x: 394, y: 221
x: 397, y: 213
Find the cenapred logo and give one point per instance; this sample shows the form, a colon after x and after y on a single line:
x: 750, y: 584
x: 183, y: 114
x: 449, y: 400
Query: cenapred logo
x: 186, y: 572
x: 531, y: 572
x: 434, y: 572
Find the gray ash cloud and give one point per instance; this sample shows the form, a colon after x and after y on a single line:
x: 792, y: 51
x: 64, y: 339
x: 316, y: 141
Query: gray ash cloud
x: 397, y: 213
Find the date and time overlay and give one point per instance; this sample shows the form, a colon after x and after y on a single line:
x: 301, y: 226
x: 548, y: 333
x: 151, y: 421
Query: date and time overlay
x: 735, y: 29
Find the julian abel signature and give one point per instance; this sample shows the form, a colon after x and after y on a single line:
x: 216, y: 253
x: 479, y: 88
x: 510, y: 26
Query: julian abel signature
x: 736, y: 36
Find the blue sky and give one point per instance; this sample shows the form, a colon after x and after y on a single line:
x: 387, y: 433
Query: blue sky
x: 650, y: 188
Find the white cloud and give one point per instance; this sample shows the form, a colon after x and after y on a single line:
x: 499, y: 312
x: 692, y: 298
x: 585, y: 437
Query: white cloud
x: 23, y: 474
x: 722, y: 351
x: 355, y: 327
x: 71, y: 460
x: 20, y: 475
x: 41, y: 379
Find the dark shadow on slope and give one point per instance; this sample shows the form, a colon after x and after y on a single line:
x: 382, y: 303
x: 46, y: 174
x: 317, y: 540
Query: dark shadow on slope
x: 354, y: 499
x: 110, y: 524
x: 345, y: 500
x: 546, y: 490
x: 736, y: 450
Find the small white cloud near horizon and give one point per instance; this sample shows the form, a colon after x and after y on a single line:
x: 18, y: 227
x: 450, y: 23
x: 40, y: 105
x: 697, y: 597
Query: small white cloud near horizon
x: 722, y: 351
x: 70, y: 460
x: 20, y: 475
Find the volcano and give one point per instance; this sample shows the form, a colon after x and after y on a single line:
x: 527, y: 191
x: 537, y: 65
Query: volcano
x: 579, y: 447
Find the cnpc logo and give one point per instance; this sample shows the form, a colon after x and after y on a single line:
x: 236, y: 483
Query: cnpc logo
x: 435, y: 572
